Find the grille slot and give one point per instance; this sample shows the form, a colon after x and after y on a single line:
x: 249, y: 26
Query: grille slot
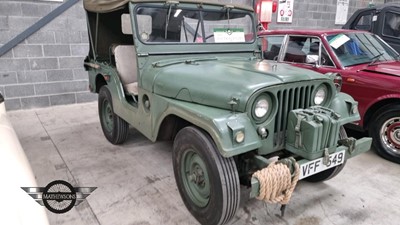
x: 289, y: 99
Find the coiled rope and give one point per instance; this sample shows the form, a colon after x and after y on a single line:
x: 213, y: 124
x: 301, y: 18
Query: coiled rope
x: 276, y: 182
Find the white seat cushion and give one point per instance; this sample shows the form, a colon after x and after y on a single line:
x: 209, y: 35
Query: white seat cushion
x: 125, y: 59
x: 132, y: 88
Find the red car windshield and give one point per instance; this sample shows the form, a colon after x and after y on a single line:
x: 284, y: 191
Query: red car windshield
x: 360, y: 48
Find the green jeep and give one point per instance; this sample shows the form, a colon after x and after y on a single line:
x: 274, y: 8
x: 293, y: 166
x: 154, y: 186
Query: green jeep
x: 192, y: 72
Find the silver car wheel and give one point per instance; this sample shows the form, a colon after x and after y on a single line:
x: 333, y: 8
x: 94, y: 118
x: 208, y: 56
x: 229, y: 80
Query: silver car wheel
x: 390, y: 134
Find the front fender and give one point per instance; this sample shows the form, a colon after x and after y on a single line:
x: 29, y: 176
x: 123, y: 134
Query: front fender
x: 220, y: 124
x: 346, y: 107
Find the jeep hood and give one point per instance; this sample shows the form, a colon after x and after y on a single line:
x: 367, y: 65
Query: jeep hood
x: 391, y: 68
x: 216, y: 82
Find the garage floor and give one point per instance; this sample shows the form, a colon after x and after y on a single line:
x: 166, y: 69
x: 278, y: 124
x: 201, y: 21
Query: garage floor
x: 136, y: 186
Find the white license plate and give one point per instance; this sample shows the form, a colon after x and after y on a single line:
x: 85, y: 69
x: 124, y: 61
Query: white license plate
x: 316, y: 166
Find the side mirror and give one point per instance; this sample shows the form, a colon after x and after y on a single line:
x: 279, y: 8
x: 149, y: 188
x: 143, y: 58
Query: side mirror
x: 337, y: 79
x: 260, y: 41
x: 312, y: 59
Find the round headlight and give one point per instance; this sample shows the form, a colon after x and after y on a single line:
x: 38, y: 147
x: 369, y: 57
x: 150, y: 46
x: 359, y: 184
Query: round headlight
x: 320, y: 95
x: 261, y: 108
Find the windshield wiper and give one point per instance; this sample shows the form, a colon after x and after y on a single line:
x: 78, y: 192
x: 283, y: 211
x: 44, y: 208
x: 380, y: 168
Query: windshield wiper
x: 192, y: 61
x: 398, y: 56
x: 375, y: 58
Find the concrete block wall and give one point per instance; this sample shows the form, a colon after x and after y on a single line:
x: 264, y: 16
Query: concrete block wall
x: 46, y: 68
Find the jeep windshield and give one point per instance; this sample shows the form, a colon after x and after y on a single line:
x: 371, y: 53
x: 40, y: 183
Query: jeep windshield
x: 194, y: 24
x: 360, y: 48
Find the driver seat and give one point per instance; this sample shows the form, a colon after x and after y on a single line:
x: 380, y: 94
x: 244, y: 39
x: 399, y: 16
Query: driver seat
x: 125, y: 60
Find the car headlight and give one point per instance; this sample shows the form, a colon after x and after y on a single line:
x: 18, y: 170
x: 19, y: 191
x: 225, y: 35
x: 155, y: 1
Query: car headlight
x: 261, y: 108
x: 320, y: 95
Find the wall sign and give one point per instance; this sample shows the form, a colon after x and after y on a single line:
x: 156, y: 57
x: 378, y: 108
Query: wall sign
x: 285, y: 11
x: 342, y: 10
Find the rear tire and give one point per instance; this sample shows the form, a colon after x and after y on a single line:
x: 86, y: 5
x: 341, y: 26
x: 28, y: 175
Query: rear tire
x: 332, y: 172
x: 385, y: 133
x: 115, y: 129
x: 208, y: 183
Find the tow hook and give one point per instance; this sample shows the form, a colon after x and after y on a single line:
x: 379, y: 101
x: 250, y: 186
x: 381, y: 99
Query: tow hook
x: 350, y: 143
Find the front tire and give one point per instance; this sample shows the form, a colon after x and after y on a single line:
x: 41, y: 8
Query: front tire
x: 331, y: 172
x: 208, y: 183
x: 385, y: 133
x: 115, y: 129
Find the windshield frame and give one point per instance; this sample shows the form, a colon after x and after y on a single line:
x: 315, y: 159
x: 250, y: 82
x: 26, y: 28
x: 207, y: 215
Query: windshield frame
x: 367, y: 55
x: 199, y: 29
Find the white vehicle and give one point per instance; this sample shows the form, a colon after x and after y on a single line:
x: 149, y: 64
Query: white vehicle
x: 16, y: 207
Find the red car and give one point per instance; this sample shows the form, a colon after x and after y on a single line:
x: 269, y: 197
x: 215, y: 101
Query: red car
x: 370, y: 71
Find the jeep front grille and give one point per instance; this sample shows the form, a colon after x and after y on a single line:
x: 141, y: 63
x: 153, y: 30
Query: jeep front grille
x: 289, y: 99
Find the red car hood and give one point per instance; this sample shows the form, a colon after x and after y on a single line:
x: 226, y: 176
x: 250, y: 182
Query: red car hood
x: 390, y: 68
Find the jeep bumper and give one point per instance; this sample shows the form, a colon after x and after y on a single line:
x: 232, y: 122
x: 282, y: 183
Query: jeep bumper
x: 350, y: 147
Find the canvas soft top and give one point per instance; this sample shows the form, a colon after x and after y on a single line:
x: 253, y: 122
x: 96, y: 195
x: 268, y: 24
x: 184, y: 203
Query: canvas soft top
x: 104, y: 6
